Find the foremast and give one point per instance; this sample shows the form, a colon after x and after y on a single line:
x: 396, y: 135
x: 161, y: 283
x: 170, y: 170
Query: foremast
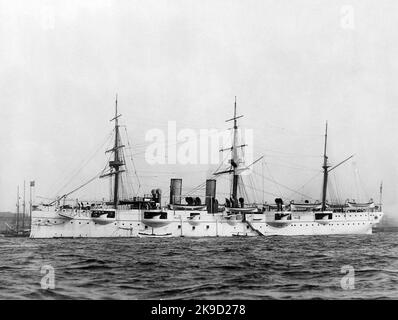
x: 117, y: 162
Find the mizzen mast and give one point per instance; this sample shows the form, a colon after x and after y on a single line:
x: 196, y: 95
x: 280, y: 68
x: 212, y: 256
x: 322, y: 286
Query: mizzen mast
x: 325, y: 170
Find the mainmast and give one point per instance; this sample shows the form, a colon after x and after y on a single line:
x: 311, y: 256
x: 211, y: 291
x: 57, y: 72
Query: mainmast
x: 234, y: 159
x: 325, y: 171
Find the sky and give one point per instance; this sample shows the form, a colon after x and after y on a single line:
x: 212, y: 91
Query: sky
x: 293, y: 65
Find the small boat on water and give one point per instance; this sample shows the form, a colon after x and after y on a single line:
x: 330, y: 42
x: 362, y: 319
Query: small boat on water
x: 13, y: 232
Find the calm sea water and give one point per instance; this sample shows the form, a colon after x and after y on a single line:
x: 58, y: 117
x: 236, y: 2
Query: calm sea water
x: 207, y: 268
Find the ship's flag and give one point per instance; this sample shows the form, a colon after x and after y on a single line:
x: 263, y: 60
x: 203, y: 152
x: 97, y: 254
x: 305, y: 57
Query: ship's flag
x: 32, y: 183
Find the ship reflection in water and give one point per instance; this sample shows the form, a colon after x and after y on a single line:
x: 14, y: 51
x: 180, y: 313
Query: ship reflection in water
x: 305, y: 267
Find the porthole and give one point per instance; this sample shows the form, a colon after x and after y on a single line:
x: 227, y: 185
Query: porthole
x: 207, y: 227
x: 193, y: 228
x: 179, y: 226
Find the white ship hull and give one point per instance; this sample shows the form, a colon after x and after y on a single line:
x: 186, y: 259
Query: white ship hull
x: 132, y: 223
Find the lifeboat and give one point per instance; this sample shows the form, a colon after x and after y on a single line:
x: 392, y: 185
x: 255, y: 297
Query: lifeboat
x: 103, y: 216
x: 67, y: 214
x: 279, y: 223
x: 184, y: 207
x: 194, y: 218
x: 367, y: 205
x: 323, y: 218
x: 233, y: 219
x: 155, y: 219
x: 243, y: 210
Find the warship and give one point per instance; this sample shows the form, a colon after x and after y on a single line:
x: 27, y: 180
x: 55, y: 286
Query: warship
x: 201, y: 215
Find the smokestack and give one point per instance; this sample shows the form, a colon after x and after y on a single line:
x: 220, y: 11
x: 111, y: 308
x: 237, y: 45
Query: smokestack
x: 175, y: 191
x: 211, y: 195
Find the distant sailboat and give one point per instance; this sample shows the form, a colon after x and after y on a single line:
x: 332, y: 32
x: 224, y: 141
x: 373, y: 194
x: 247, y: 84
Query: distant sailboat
x: 18, y: 229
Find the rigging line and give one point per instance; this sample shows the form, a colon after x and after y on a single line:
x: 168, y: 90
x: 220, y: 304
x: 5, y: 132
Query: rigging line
x: 270, y: 193
x: 291, y: 154
x: 196, y: 188
x: 210, y: 133
x: 310, y: 180
x: 211, y: 175
x: 180, y: 123
x: 107, y: 137
x: 129, y: 182
x: 362, y: 186
x: 268, y: 124
x: 277, y: 183
x: 175, y: 172
x: 356, y: 183
x: 269, y: 172
x: 337, y: 188
x: 196, y: 138
x: 85, y: 163
x: 331, y: 191
x: 290, y: 189
x: 132, y: 160
x: 292, y: 165
x: 262, y: 179
x: 78, y: 188
x: 251, y: 181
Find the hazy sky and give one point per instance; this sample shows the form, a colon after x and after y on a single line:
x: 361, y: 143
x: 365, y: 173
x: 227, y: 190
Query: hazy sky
x: 292, y: 64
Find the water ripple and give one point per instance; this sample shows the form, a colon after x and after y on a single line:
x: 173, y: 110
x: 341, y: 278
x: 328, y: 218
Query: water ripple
x: 208, y: 268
